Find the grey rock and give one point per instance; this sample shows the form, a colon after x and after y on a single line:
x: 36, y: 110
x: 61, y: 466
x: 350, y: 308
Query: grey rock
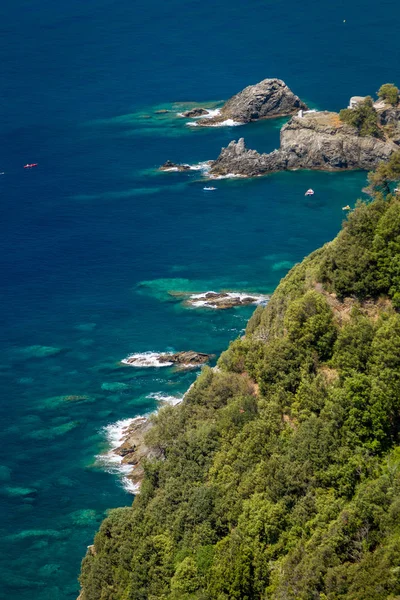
x: 318, y: 140
x: 389, y: 118
x: 195, y: 112
x: 269, y: 98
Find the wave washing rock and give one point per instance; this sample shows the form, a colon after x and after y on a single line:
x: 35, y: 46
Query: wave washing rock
x: 317, y: 140
x: 224, y: 300
x: 267, y: 99
x: 171, y: 166
x: 183, y: 359
x: 134, y: 449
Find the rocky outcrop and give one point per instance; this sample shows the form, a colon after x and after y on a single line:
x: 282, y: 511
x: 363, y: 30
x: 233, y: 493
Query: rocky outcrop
x: 186, y: 358
x: 224, y: 300
x: 171, y: 166
x: 317, y: 140
x: 269, y: 98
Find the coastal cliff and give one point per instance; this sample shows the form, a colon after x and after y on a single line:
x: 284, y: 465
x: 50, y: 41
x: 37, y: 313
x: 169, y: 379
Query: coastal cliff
x: 278, y: 475
x: 315, y: 140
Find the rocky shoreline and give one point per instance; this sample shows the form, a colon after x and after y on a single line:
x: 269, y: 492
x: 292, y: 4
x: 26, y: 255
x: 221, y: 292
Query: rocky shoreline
x: 317, y: 140
x: 134, y: 450
x: 314, y: 140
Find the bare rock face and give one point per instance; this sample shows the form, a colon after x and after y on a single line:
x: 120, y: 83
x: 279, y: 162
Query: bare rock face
x: 318, y: 140
x: 269, y: 98
x: 389, y: 118
x: 236, y: 159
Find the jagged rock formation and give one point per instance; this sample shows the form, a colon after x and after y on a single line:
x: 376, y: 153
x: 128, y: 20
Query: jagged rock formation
x: 318, y: 140
x: 269, y: 98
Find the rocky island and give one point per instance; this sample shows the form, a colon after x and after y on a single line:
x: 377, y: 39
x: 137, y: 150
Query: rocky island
x: 269, y: 98
x: 358, y: 137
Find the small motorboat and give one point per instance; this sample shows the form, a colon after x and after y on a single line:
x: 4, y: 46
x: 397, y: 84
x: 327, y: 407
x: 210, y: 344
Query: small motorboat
x: 30, y: 165
x: 209, y: 189
x: 347, y: 207
x: 309, y: 192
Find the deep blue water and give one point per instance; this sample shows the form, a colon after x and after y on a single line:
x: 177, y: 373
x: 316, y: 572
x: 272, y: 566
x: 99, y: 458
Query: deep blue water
x: 80, y: 83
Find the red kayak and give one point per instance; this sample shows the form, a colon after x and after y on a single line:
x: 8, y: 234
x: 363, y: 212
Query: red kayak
x: 29, y: 166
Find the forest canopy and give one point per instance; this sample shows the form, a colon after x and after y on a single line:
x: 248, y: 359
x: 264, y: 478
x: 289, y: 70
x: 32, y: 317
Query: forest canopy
x: 281, y: 470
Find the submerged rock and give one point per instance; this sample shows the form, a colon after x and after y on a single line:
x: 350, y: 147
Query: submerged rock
x: 317, y: 140
x: 269, y: 98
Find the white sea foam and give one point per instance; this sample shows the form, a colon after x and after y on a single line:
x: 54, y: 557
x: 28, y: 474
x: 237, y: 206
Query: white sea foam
x: 228, y: 176
x: 146, y: 359
x: 212, y: 113
x: 226, y: 123
x: 166, y: 398
x: 201, y: 166
x: 116, y: 433
x: 111, y: 462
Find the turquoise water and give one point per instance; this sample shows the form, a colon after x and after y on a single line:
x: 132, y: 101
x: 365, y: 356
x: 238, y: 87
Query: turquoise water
x: 81, y: 233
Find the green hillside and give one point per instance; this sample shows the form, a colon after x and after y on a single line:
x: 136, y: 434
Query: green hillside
x: 281, y: 470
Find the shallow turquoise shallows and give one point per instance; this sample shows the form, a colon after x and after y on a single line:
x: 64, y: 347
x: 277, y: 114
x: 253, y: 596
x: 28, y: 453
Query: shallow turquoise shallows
x: 94, y: 239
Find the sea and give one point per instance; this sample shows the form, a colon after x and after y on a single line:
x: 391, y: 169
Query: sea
x: 98, y: 248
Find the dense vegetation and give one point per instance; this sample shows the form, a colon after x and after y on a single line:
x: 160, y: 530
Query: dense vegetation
x: 363, y: 117
x: 390, y: 93
x: 281, y: 476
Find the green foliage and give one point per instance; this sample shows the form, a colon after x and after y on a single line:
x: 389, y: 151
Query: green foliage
x: 390, y: 93
x: 385, y: 173
x: 280, y: 476
x: 361, y: 261
x: 363, y: 117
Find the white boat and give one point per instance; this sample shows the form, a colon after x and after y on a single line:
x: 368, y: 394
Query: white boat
x: 209, y: 189
x: 309, y: 192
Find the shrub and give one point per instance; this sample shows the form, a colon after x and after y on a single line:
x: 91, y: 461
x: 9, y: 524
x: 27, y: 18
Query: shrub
x: 363, y: 117
x: 390, y: 93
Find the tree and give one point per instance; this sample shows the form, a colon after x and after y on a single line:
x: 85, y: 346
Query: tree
x: 390, y: 93
x: 364, y: 117
x: 385, y: 173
